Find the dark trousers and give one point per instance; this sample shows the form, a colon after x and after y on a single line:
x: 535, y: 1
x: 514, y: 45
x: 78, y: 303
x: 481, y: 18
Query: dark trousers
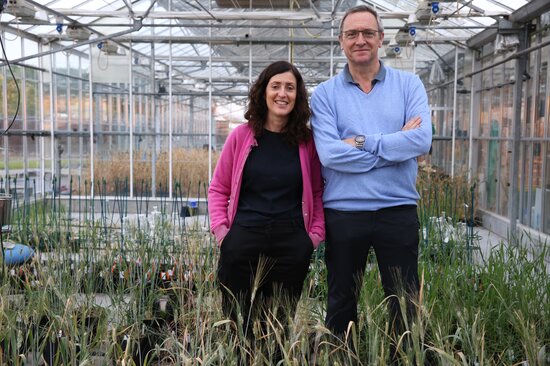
x: 393, y: 233
x: 259, y: 265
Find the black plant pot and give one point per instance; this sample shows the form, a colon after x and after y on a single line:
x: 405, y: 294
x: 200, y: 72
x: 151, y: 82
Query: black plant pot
x: 152, y: 335
x: 51, y: 352
x: 7, y: 352
x: 10, y: 349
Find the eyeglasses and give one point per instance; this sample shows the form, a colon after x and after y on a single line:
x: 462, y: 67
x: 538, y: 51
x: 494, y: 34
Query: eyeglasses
x: 354, y: 33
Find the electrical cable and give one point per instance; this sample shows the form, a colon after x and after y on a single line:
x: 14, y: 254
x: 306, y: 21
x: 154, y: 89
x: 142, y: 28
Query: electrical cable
x: 99, y: 66
x: 16, y: 26
x: 430, y: 31
x: 16, y: 86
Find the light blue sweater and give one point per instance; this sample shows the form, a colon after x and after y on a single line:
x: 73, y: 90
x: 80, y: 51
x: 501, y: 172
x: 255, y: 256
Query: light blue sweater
x: 383, y: 174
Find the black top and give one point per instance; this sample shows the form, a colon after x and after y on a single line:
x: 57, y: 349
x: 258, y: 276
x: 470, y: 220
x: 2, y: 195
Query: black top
x: 271, y: 186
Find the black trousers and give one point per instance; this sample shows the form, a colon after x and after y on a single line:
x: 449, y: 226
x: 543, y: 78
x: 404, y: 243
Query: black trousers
x: 259, y: 265
x: 393, y: 233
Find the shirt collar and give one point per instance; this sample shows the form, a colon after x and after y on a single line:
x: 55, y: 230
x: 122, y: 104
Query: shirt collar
x: 380, y: 76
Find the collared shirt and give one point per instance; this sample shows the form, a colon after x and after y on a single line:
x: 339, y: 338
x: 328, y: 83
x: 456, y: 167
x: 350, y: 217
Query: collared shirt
x: 380, y: 75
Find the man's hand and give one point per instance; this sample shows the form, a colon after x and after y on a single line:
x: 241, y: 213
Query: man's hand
x: 412, y: 124
x: 350, y: 141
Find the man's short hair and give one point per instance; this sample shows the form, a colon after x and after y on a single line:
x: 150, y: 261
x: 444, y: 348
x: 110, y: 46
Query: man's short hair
x: 362, y: 9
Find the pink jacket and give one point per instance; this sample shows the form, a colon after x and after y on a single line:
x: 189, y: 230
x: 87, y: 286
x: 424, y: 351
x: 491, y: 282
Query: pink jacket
x: 223, y: 194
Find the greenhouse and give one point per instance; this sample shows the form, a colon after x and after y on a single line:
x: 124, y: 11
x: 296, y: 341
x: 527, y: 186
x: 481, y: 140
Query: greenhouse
x: 115, y: 114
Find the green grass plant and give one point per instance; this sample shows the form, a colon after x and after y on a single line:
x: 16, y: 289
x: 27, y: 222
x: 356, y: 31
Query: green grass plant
x: 20, y: 164
x: 149, y: 281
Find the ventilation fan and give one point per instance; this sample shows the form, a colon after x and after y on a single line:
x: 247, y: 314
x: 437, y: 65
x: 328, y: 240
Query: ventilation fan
x: 403, y: 37
x: 423, y: 13
x: 108, y: 47
x: 20, y: 9
x: 77, y: 33
x: 393, y: 50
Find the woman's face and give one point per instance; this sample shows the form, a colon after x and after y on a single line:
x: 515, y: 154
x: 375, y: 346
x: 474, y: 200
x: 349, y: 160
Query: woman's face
x: 280, y: 94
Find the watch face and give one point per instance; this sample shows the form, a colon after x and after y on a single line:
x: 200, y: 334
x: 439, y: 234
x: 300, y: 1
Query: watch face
x: 359, y: 139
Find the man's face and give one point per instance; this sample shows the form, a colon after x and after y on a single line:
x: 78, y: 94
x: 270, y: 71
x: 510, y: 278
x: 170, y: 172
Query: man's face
x: 360, y: 39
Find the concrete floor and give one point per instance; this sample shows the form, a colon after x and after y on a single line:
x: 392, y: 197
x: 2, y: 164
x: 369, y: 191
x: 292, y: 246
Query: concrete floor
x: 487, y: 240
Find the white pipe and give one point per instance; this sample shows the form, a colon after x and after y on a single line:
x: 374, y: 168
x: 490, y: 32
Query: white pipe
x: 130, y: 116
x: 42, y: 187
x: 332, y: 35
x: 209, y: 114
x: 230, y: 40
x: 413, y: 45
x: 91, y: 113
x: 170, y: 116
x: 5, y: 120
x: 302, y: 14
x: 23, y: 83
x: 471, y: 134
x: 453, y: 132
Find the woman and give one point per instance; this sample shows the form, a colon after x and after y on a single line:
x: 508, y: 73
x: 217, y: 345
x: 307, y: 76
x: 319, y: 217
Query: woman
x: 265, y: 198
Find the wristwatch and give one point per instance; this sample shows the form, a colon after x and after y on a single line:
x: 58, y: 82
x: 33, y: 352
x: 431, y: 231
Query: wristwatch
x: 359, y: 141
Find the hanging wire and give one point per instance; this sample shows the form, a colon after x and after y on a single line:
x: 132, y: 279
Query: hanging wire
x: 16, y: 85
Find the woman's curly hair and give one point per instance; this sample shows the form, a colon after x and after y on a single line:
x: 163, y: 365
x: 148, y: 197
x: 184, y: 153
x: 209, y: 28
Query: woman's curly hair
x: 296, y: 129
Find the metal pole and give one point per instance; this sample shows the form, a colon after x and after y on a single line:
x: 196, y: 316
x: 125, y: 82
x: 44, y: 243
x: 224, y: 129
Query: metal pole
x: 155, y: 112
x: 91, y: 116
x: 521, y: 69
x: 453, y: 132
x: 41, y: 109
x: 24, y: 126
x: 209, y: 111
x: 130, y: 116
x: 473, y: 101
x: 135, y: 28
x: 5, y: 119
x: 170, y: 116
x: 53, y: 109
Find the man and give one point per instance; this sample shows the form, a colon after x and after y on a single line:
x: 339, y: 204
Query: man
x: 370, y: 123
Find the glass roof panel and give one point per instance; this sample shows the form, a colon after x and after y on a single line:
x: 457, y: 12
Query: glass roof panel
x: 492, y: 5
x: 234, y: 38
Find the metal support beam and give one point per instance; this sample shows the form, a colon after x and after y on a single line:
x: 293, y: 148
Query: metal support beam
x: 521, y: 69
x: 530, y: 11
x: 474, y: 121
x: 524, y: 14
x: 482, y: 38
x: 302, y: 15
x: 517, y: 54
x: 136, y: 26
x: 245, y: 40
x: 453, y: 123
x: 248, y: 25
x: 245, y: 58
x: 240, y: 14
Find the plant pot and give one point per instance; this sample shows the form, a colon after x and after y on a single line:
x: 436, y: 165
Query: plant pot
x: 51, y: 352
x: 152, y: 333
